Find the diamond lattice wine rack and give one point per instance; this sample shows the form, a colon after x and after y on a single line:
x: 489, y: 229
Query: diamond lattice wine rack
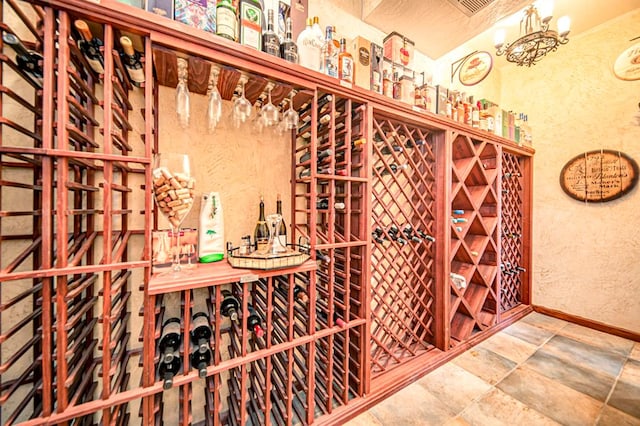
x: 474, y: 236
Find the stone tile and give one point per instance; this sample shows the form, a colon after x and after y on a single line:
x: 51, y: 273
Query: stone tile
x: 529, y: 333
x: 364, y: 419
x: 626, y: 397
x: 510, y: 347
x: 612, y: 417
x: 631, y: 372
x: 597, y: 338
x: 413, y: 405
x: 487, y: 365
x: 552, y: 399
x: 454, y: 386
x: 498, y: 408
x: 635, y: 352
x: 584, y: 355
x: 543, y: 321
x: 585, y: 380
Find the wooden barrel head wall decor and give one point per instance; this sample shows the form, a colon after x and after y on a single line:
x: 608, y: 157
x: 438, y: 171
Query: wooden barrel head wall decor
x: 599, y: 176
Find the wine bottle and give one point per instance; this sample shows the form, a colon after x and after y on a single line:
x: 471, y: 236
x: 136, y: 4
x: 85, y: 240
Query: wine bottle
x: 392, y: 168
x: 90, y: 46
x: 27, y: 60
x: 229, y: 306
x: 270, y: 40
x: 254, y: 322
x: 325, y: 258
x: 169, y: 346
x: 282, y: 231
x: 378, y: 235
x: 300, y: 294
x: 425, y: 236
x: 200, y: 338
x: 457, y: 211
x: 511, y: 175
x: 226, y: 20
x: 261, y: 232
x: 321, y: 155
x: 288, y: 48
x: 131, y: 61
x: 323, y: 204
x: 459, y: 220
x: 336, y: 318
x: 394, y: 148
x: 321, y: 171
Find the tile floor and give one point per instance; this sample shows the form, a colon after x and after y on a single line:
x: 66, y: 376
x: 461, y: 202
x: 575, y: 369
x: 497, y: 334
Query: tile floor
x: 538, y: 371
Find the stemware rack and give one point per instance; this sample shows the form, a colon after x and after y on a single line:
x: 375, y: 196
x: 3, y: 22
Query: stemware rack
x: 81, y: 313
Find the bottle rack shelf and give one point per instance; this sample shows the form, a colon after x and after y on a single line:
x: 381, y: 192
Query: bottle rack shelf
x: 402, y: 256
x: 76, y: 150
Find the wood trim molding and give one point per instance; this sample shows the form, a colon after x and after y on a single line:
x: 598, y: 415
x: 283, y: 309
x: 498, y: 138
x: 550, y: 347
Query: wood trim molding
x: 586, y: 322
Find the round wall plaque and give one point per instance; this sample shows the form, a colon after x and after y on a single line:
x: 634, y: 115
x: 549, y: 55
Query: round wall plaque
x: 475, y: 68
x: 599, y: 176
x: 627, y: 66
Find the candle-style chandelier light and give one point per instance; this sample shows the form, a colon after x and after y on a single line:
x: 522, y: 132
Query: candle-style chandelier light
x: 538, y: 39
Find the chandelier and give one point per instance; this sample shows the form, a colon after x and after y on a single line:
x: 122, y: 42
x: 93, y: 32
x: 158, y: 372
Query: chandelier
x: 538, y: 39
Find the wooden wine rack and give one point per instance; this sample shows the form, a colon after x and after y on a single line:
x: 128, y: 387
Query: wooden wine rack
x: 403, y: 271
x: 81, y: 314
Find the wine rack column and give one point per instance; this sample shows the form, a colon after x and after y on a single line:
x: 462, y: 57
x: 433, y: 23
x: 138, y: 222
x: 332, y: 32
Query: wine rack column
x: 403, y: 253
x: 513, y: 266
x: 331, y: 212
x: 26, y: 367
x: 475, y: 249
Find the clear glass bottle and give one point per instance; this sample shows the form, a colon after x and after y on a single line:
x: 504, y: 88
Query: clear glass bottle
x: 270, y: 40
x: 346, y: 69
x: 330, y: 54
x: 226, y: 20
x: 289, y: 48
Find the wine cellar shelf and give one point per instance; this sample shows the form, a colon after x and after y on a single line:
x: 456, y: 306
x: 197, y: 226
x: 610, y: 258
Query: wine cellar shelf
x: 418, y: 229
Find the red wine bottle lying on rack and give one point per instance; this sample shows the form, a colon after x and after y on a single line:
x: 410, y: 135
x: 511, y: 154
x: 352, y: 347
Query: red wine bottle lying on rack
x: 27, y: 60
x: 254, y: 323
x: 131, y: 61
x: 170, y: 362
x: 200, y: 340
x: 327, y: 153
x: 229, y: 306
x: 336, y: 318
x: 323, y: 204
x: 90, y: 46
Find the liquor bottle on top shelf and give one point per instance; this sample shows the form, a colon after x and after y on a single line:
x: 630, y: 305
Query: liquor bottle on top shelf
x: 330, y: 51
x: 229, y: 306
x: 226, y: 20
x: 309, y: 50
x: 169, y: 346
x: 346, y: 67
x: 251, y: 22
x: 282, y: 231
x: 270, y: 40
x: 254, y: 322
x: 90, y: 46
x: 288, y: 47
x: 27, y: 60
x: 131, y: 61
x: 387, y: 84
x: 261, y: 231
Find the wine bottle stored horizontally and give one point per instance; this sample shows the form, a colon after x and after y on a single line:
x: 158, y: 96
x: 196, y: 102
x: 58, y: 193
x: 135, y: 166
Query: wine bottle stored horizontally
x: 131, y: 61
x: 200, y: 360
x: 320, y: 157
x: 90, y: 46
x: 27, y: 60
x: 229, y: 306
x: 322, y: 315
x: 282, y: 230
x: 169, y: 346
x: 201, y: 333
x: 254, y: 322
x: 323, y: 204
x: 261, y: 231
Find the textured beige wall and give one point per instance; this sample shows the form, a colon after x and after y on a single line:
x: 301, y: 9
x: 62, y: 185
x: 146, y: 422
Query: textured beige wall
x: 586, y: 256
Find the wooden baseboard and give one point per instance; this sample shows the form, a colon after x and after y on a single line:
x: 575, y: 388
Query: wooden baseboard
x: 586, y: 322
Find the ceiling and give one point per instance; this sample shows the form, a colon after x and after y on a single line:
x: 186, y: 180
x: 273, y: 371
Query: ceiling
x: 438, y: 27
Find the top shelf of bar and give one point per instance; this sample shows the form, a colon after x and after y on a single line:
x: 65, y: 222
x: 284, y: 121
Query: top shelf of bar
x: 212, y: 274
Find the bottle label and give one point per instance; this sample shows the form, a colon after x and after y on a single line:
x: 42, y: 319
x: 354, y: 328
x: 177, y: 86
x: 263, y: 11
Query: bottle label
x: 226, y: 22
x: 272, y: 45
x: 346, y: 68
x: 136, y: 74
x: 251, y: 26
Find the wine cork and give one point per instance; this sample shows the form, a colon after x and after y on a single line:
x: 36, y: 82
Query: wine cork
x: 174, y: 183
x: 173, y: 195
x: 174, y: 203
